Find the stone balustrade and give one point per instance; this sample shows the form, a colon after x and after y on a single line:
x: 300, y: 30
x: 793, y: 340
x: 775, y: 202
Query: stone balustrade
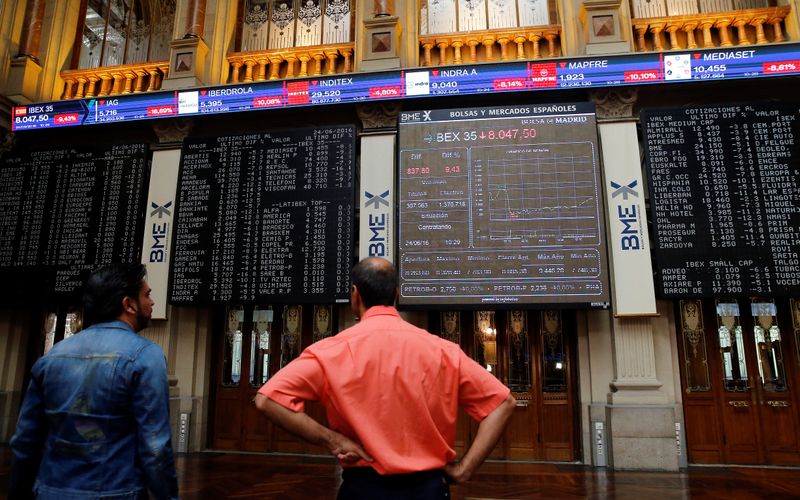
x: 493, y: 45
x: 714, y: 29
x: 114, y: 80
x: 283, y: 63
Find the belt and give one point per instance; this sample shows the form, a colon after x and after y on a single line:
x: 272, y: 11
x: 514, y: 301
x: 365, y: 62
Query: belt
x: 409, y: 478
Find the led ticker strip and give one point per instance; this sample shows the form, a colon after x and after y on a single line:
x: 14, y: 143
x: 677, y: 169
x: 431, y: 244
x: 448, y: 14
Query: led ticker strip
x: 629, y: 69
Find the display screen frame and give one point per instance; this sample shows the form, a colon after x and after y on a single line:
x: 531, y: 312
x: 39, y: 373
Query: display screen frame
x: 205, y: 297
x: 742, y: 263
x: 601, y: 302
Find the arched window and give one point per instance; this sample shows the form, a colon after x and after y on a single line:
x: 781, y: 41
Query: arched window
x: 125, y: 31
x: 282, y: 24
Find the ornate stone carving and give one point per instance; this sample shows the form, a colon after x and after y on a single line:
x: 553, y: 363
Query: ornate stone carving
x: 378, y: 115
x: 336, y: 10
x: 615, y: 104
x: 282, y: 15
x: 7, y: 142
x: 256, y: 14
x: 172, y: 130
x: 309, y: 12
x: 322, y: 328
x: 451, y: 326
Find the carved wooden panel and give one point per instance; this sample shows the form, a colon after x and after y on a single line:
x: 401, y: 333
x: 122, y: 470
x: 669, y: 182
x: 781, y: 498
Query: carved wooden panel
x: 291, y: 335
x: 309, y: 23
x: 471, y: 15
x: 282, y: 24
x: 533, y: 13
x: 255, y: 25
x: 441, y: 16
x: 502, y: 14
x: 703, y: 430
x: 338, y: 18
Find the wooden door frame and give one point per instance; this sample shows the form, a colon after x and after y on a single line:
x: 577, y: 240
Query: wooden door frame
x: 722, y: 402
x: 270, y: 438
x: 570, y: 337
x: 218, y: 342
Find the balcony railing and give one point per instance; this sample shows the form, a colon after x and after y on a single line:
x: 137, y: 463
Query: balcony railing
x: 114, y: 80
x: 714, y: 29
x: 314, y: 61
x: 503, y: 45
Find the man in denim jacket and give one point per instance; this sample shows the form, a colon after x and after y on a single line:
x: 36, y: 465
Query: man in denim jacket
x: 95, y: 420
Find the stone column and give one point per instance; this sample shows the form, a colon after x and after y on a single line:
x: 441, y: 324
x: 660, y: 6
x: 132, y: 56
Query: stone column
x: 640, y: 413
x: 378, y: 29
x: 195, y: 18
x: 382, y: 8
x: 635, y: 380
x: 23, y: 76
x: 376, y: 199
x: 187, y: 59
x: 32, y: 30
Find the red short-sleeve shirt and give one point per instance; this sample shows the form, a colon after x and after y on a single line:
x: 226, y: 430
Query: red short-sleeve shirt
x: 391, y: 386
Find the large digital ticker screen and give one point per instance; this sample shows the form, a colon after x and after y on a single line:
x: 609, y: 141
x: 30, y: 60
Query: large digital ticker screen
x: 265, y: 217
x: 724, y: 190
x: 501, y: 205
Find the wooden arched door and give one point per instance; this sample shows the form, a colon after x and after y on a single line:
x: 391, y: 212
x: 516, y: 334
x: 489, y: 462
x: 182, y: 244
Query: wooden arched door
x: 740, y: 379
x: 251, y: 343
x: 532, y: 352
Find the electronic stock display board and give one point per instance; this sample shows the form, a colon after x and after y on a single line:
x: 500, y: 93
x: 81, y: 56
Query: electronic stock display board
x: 725, y: 199
x: 730, y: 63
x: 501, y: 205
x: 265, y: 217
x: 66, y: 211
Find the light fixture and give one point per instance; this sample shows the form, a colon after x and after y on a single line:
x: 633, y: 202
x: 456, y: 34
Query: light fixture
x: 490, y: 346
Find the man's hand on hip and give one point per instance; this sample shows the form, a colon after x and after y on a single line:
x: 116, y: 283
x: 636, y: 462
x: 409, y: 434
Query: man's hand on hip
x: 456, y: 473
x: 347, y: 450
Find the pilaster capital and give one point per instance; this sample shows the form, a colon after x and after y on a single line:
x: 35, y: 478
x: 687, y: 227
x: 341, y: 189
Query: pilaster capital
x: 615, y: 104
x: 172, y: 130
x: 378, y: 115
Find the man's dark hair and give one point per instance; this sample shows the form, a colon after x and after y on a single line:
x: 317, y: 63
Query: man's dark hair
x: 106, y: 287
x: 376, y: 282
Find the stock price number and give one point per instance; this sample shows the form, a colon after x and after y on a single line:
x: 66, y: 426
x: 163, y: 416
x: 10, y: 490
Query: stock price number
x: 450, y: 87
x: 32, y: 119
x: 710, y: 71
x: 326, y: 94
x: 211, y: 104
x: 573, y: 80
x: 500, y: 134
x: 571, y: 77
x: 418, y: 170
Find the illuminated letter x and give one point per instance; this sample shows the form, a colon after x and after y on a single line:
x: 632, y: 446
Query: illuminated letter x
x: 376, y: 200
x: 624, y: 190
x: 161, y: 211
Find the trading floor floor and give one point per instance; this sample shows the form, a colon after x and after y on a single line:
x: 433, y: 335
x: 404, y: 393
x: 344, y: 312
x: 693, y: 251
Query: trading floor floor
x: 227, y: 475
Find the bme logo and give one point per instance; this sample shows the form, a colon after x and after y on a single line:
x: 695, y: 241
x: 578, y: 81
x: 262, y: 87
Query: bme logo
x: 377, y: 223
x: 629, y: 216
x: 159, y: 232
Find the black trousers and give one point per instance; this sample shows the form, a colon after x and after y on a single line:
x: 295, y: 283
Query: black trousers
x: 363, y: 483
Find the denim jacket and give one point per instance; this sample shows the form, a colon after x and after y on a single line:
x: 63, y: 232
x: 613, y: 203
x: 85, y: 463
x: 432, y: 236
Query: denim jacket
x: 95, y: 420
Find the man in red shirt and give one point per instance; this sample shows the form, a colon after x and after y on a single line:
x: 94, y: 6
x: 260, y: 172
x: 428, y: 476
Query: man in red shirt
x: 391, y: 392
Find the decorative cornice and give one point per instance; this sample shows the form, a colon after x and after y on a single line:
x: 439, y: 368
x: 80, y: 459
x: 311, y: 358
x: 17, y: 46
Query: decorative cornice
x: 172, y: 130
x: 615, y: 104
x: 379, y: 115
